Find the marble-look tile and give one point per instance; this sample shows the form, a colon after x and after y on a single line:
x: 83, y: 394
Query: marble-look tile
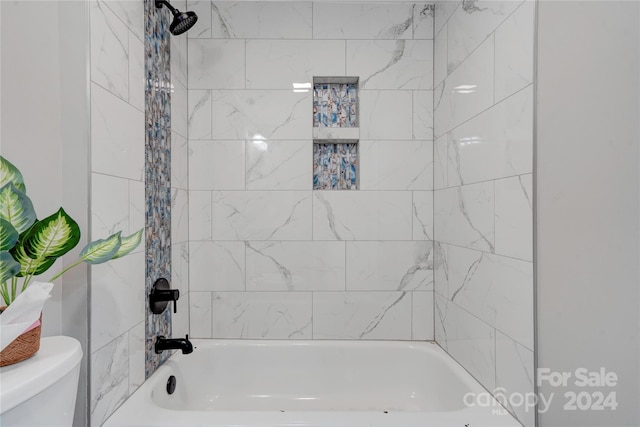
x: 259, y: 114
x: 389, y: 266
x: 386, y: 114
x: 259, y: 19
x: 179, y: 55
x: 199, y: 120
x: 136, y: 357
x: 391, y: 64
x: 295, y: 266
x: 362, y: 215
x: 261, y: 215
x: 466, y: 92
x: 217, y: 266
x: 179, y: 162
x: 136, y: 72
x: 199, y: 215
x: 440, y: 268
x: 137, y: 210
x: 514, y: 217
x: 422, y: 316
x: 497, y: 143
x: 117, y: 298
x: 131, y: 13
x: 262, y: 315
x: 179, y: 215
x: 423, y: 17
x: 440, y: 162
x: 117, y: 136
x: 396, y: 165
x: 277, y: 64
x: 514, y: 51
x: 471, y: 24
x: 443, y: 11
x: 514, y: 373
x: 464, y: 216
x: 179, y: 109
x: 216, y: 64
x: 203, y: 27
x: 496, y: 289
x: 423, y: 215
x: 440, y: 71
x: 200, y: 314
x: 180, y: 281
x: 362, y: 21
x: 423, y: 114
x: 109, y: 205
x: 279, y: 165
x: 216, y: 165
x: 109, y: 379
x: 109, y: 50
x: 362, y: 315
x: 467, y: 339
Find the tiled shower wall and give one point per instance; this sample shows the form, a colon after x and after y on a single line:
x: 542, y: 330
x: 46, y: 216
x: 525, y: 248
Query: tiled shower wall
x: 270, y: 257
x: 483, y: 191
x: 118, y: 296
x: 117, y: 202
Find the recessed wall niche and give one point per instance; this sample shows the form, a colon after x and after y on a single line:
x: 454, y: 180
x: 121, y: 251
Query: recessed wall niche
x: 336, y: 132
x: 335, y: 165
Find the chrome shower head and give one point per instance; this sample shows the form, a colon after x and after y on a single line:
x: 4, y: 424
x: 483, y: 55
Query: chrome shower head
x: 182, y: 21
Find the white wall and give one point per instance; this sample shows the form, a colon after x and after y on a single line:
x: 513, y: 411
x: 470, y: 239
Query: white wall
x: 270, y: 257
x: 483, y: 105
x: 45, y: 130
x: 587, y: 202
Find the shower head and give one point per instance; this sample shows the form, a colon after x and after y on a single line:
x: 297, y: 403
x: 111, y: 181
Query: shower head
x: 182, y: 21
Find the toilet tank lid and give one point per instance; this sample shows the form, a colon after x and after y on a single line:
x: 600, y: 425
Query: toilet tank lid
x: 56, y: 358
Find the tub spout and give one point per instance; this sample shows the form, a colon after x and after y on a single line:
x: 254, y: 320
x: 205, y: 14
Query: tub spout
x: 182, y: 344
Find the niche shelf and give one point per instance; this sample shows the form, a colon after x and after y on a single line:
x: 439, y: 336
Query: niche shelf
x: 336, y: 133
x: 335, y: 108
x: 335, y: 165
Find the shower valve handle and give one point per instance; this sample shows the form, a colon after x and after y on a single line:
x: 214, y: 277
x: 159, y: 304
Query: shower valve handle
x: 160, y: 296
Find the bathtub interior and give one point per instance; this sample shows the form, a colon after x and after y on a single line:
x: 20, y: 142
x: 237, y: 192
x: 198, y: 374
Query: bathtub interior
x: 313, y: 376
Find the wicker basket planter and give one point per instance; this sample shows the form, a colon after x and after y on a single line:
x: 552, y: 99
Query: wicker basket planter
x: 23, y: 347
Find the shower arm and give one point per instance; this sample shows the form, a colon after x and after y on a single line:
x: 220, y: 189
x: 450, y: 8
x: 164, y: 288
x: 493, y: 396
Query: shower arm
x: 173, y: 10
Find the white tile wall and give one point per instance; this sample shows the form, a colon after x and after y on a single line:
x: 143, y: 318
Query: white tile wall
x: 362, y: 315
x: 391, y: 64
x: 276, y: 64
x: 274, y: 315
x: 264, y: 248
x: 362, y: 21
x: 278, y: 165
x: 295, y: 266
x: 261, y: 215
x: 261, y: 20
x: 389, y: 266
x: 258, y: 114
x: 483, y: 272
x: 362, y: 215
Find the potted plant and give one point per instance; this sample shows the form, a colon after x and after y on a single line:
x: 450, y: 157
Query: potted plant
x: 30, y: 246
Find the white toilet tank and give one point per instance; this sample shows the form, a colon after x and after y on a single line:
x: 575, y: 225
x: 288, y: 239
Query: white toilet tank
x: 41, y: 391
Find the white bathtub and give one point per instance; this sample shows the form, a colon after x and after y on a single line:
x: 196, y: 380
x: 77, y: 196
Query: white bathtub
x: 309, y: 383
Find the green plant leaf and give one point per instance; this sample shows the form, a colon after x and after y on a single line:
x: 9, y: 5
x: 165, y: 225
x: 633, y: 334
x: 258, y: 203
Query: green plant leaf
x: 129, y: 243
x: 102, y: 250
x: 9, y: 267
x: 10, y: 173
x: 29, y: 266
x: 8, y: 235
x: 16, y: 207
x: 52, y: 236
